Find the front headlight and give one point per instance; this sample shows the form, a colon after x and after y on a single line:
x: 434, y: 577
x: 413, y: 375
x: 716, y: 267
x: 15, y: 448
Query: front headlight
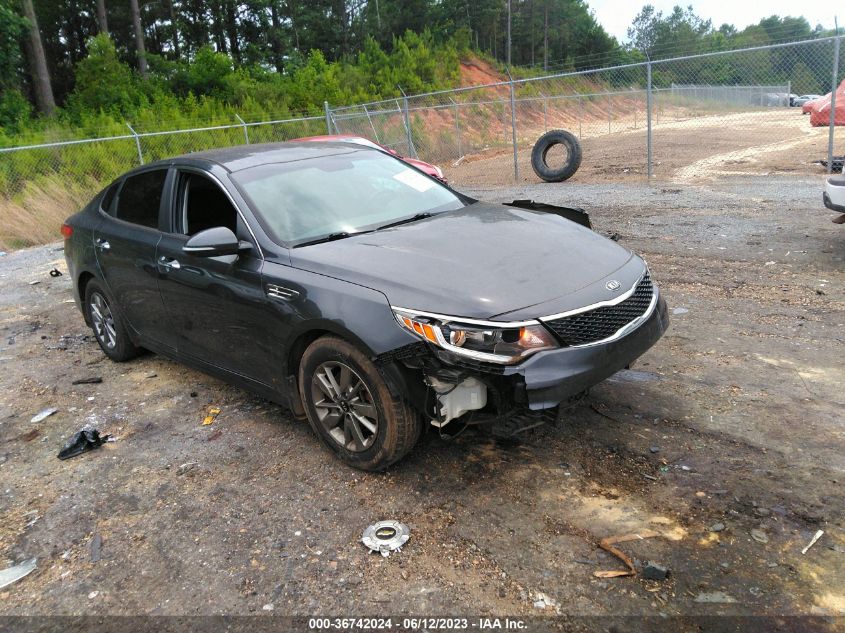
x: 485, y: 341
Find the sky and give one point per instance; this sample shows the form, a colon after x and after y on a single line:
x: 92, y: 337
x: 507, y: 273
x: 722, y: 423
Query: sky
x: 616, y: 15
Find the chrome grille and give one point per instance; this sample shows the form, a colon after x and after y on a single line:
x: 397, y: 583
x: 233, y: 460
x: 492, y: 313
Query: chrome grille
x: 604, y: 322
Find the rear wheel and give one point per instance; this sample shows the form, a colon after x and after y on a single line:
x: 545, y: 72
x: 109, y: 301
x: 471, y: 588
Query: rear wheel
x: 351, y: 408
x: 109, y: 329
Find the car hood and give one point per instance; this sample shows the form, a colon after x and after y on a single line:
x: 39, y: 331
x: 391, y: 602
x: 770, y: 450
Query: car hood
x: 478, y: 262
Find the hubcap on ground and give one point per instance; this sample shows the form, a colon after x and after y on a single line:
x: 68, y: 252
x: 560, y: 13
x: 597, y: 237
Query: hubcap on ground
x: 345, y: 406
x: 103, y: 321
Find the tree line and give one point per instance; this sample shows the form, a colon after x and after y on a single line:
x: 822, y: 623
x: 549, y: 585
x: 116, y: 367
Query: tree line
x: 88, y: 59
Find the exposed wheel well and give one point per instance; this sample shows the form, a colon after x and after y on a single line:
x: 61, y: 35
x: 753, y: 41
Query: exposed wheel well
x: 297, y: 349
x: 82, y: 283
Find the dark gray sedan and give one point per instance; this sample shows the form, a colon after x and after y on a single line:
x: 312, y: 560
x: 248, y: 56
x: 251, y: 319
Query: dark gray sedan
x: 366, y: 296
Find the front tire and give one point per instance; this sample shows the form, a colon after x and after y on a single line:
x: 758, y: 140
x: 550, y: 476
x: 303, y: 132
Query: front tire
x: 108, y: 326
x: 351, y: 408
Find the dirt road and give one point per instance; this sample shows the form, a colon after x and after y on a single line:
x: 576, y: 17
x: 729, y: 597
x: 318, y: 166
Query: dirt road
x: 727, y: 439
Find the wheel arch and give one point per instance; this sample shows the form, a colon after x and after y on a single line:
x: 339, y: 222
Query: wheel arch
x: 81, y: 284
x: 310, y: 332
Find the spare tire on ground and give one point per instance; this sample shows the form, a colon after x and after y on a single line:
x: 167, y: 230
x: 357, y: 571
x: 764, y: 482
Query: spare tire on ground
x: 540, y: 155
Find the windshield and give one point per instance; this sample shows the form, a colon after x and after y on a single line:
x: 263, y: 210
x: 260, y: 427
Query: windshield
x: 347, y: 192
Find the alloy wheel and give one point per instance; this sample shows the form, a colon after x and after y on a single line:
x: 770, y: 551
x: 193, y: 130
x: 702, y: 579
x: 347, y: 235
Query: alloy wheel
x: 345, y: 406
x: 103, y: 321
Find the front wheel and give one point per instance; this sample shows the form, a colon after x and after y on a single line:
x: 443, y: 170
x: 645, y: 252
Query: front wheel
x: 351, y: 408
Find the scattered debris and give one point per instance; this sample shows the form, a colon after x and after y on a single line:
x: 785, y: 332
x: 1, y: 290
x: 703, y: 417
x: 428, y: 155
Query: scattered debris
x: 43, y: 415
x: 651, y: 477
x: 194, y: 394
x: 151, y: 374
x: 715, y: 597
x: 55, y: 273
x: 93, y: 380
x: 187, y: 467
x: 836, y: 547
x: 654, y: 449
x: 93, y: 595
x: 15, y: 573
x: 82, y: 441
x: 34, y: 282
x: 542, y: 601
x: 213, y: 412
x: 812, y: 542
x: 680, y: 311
x: 96, y: 547
x: 717, y: 527
x: 760, y: 536
x: 217, y: 433
x: 655, y: 571
x: 267, y: 607
x: 386, y: 536
x: 608, y: 543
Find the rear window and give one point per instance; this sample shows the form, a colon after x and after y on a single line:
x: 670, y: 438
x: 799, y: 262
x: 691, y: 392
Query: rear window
x: 140, y: 198
x: 108, y: 198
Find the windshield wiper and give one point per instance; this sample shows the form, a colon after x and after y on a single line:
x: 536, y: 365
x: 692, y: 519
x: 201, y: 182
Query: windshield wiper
x: 413, y: 218
x: 331, y: 237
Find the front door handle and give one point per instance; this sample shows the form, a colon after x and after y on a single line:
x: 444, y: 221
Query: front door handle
x: 169, y: 263
x: 102, y: 244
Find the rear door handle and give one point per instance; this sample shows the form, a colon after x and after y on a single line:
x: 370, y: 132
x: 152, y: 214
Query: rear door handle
x: 169, y: 263
x: 102, y: 244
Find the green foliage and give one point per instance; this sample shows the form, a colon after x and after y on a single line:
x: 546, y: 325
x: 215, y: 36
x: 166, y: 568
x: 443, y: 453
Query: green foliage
x: 104, y: 83
x: 13, y: 27
x: 15, y: 111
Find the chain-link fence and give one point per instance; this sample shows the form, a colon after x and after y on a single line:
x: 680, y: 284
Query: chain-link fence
x: 727, y: 113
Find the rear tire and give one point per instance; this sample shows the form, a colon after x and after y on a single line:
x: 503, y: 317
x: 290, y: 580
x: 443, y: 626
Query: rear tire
x: 351, y: 408
x: 541, y: 150
x: 109, y: 328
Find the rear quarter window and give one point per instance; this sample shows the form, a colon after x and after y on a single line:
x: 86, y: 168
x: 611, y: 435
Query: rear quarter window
x: 140, y: 198
x: 108, y: 198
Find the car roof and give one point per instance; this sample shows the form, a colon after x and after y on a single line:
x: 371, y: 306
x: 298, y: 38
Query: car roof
x: 245, y: 156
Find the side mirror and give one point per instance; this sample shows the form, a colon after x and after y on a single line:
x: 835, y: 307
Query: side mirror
x: 215, y: 242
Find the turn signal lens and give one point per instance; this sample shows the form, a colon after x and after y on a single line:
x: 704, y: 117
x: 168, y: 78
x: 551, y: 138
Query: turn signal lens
x: 67, y: 230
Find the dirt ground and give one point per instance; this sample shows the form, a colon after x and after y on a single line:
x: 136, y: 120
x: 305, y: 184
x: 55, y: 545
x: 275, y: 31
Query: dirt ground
x: 726, y: 439
x: 687, y: 149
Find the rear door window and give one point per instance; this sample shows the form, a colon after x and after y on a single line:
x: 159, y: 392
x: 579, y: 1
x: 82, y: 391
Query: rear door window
x: 139, y: 199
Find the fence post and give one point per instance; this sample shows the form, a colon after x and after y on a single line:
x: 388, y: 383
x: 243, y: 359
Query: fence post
x: 580, y: 114
x: 137, y: 144
x: 513, y: 128
x: 328, y: 112
x: 412, y: 151
x: 243, y: 123
x: 649, y: 105
x: 545, y: 112
x: 609, y: 112
x: 834, y: 77
x: 372, y: 127
x: 457, y: 127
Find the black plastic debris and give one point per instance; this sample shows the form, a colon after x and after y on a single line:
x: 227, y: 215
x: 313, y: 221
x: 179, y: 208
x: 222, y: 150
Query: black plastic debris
x: 93, y: 380
x: 837, y: 163
x: 55, y: 273
x: 82, y: 442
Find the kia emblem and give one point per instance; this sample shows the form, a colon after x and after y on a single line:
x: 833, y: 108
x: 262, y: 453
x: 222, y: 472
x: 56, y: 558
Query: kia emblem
x: 613, y: 285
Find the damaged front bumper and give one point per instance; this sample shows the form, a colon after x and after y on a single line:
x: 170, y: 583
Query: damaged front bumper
x: 543, y: 381
x: 554, y: 376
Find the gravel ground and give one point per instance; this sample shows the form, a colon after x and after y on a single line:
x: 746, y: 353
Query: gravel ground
x: 726, y: 439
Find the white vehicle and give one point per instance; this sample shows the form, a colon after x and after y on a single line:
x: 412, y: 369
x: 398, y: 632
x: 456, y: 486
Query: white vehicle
x: 798, y: 102
x: 834, y: 197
